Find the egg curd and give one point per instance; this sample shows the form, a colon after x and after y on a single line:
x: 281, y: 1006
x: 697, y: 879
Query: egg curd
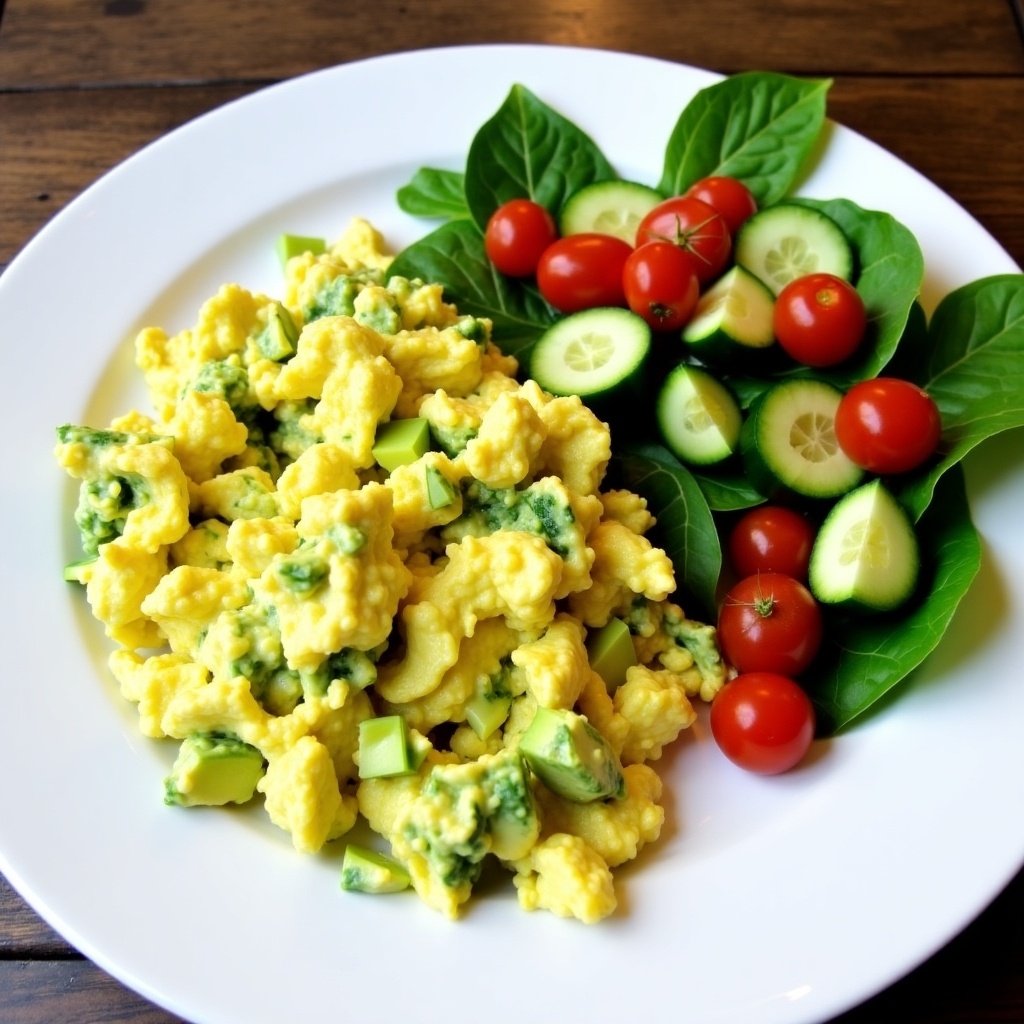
x: 274, y: 575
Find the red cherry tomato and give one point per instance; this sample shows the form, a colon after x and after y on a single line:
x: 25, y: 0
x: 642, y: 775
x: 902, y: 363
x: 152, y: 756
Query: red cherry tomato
x: 583, y: 271
x: 887, y: 425
x: 770, y: 623
x: 819, y: 319
x: 771, y: 538
x: 763, y: 722
x: 517, y: 234
x: 698, y: 229
x: 729, y: 196
x: 660, y: 285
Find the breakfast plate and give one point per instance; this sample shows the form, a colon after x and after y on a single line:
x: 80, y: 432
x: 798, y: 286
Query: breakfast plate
x: 767, y: 901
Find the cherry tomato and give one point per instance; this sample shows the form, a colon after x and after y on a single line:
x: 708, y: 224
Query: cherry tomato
x: 819, y: 319
x: 771, y: 538
x: 698, y: 229
x: 517, y: 234
x: 729, y: 196
x: 582, y: 271
x: 770, y: 623
x: 887, y: 425
x: 660, y: 285
x: 763, y: 722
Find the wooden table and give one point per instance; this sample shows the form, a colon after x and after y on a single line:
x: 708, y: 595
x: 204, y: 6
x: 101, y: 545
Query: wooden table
x: 85, y: 83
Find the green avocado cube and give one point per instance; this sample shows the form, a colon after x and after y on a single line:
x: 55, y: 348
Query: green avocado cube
x: 611, y: 653
x: 76, y: 572
x: 280, y: 337
x: 571, y: 757
x: 440, y: 492
x: 364, y: 870
x: 295, y: 245
x: 213, y: 769
x: 384, y: 748
x: 400, y: 442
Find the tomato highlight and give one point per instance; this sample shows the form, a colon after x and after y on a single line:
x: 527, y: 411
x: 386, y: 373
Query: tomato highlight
x: 819, y: 319
x: 516, y: 236
x: 660, y: 285
x: 696, y: 228
x: 770, y: 623
x: 583, y: 271
x: 763, y: 722
x: 888, y: 425
x: 729, y: 196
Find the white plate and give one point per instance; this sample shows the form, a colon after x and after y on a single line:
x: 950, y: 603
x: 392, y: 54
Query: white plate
x: 779, y: 901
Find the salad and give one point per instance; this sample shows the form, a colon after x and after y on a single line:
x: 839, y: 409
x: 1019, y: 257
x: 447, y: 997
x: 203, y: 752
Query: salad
x: 569, y: 311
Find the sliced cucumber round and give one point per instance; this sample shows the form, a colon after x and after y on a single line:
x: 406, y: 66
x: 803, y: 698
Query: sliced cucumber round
x: 594, y: 353
x: 788, y: 442
x: 789, y: 240
x: 608, y: 207
x: 733, y: 318
x: 866, y: 555
x: 698, y: 416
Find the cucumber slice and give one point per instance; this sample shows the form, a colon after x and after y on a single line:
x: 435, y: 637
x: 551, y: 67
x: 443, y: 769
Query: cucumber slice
x: 788, y: 442
x: 594, y: 353
x: 866, y: 555
x: 788, y: 240
x: 608, y: 207
x: 733, y: 318
x: 698, y: 416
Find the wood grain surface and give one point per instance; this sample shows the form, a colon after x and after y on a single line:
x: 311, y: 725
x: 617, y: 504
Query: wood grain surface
x: 86, y: 83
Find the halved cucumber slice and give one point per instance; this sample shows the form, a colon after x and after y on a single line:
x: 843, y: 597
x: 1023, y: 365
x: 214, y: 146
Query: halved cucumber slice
x: 698, y: 416
x: 788, y: 240
x: 866, y: 554
x: 733, y: 318
x: 788, y: 442
x: 594, y: 353
x: 609, y: 207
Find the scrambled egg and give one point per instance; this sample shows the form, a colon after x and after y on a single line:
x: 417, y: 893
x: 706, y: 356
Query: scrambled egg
x: 269, y: 586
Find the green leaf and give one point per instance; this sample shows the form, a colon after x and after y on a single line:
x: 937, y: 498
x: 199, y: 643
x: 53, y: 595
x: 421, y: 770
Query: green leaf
x: 757, y: 126
x: 971, y: 361
x: 864, y: 658
x: 453, y: 254
x: 890, y: 272
x: 727, y: 490
x: 434, y: 193
x: 527, y: 150
x: 685, y: 528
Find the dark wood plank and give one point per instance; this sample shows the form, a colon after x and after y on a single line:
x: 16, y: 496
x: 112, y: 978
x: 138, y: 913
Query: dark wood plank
x: 23, y: 933
x: 54, y: 144
x: 64, y: 42
x: 70, y: 992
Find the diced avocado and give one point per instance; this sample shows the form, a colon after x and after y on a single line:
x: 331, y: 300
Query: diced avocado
x: 212, y: 769
x: 611, y: 653
x: 384, y: 748
x: 295, y: 245
x: 364, y: 870
x: 281, y: 335
x: 440, y: 492
x: 75, y: 572
x: 571, y: 757
x: 400, y: 442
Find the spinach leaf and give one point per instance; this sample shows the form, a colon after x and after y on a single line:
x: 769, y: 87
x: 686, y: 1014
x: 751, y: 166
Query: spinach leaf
x: 863, y: 658
x: 685, y: 528
x: 757, y: 126
x: 727, y: 490
x: 971, y: 361
x: 453, y: 254
x: 434, y: 193
x: 527, y: 150
x: 890, y: 271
